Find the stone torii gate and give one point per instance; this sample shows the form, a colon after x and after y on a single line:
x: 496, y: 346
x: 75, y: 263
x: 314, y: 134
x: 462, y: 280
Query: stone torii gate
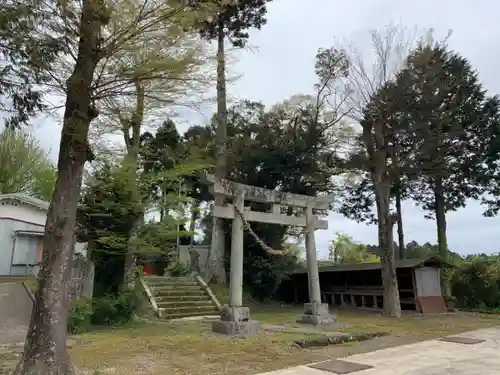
x: 235, y: 318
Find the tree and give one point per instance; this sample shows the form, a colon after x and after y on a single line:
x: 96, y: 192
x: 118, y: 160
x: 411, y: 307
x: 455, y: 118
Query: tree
x: 26, y: 55
x: 106, y: 216
x: 199, y: 147
x: 140, y: 77
x: 489, y: 175
x: 443, y: 125
x: 161, y: 152
x: 231, y: 22
x: 343, y: 249
x: 25, y: 166
x: 45, y: 350
x: 300, y: 157
x: 390, y: 47
x: 378, y: 130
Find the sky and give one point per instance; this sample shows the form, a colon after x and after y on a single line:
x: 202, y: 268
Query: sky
x: 281, y: 63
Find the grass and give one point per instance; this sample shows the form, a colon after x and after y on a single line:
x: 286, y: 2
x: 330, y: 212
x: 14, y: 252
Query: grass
x: 188, y: 348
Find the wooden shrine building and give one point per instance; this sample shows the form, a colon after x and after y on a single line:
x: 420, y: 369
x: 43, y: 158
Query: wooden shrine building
x: 360, y: 285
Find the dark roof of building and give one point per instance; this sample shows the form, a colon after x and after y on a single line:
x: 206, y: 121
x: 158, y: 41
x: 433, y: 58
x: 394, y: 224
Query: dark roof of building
x: 432, y: 261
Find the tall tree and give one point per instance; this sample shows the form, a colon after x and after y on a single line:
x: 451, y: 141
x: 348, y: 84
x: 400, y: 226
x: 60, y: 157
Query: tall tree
x: 444, y: 122
x: 489, y: 175
x: 45, y: 350
x: 378, y: 137
x: 300, y: 157
x: 231, y: 23
x: 24, y: 165
x: 161, y: 152
x: 390, y: 47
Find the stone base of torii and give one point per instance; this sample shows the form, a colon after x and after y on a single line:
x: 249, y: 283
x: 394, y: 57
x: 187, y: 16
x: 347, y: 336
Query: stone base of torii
x: 235, y: 318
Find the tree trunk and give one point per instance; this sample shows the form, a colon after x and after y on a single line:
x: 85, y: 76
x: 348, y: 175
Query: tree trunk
x: 215, y: 266
x: 440, y: 217
x: 401, y: 237
x: 130, y: 164
x: 441, y: 229
x: 45, y: 350
x: 192, y: 225
x: 392, y: 305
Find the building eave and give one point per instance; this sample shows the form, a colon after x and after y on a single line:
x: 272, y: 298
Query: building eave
x: 27, y: 200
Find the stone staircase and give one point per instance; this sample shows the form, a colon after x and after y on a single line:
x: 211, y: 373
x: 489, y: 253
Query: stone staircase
x: 180, y: 297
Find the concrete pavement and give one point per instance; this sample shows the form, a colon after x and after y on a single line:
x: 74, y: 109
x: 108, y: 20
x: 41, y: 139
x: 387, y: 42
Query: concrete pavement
x: 15, y: 313
x: 432, y: 357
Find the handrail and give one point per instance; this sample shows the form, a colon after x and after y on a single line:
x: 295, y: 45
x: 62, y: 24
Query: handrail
x: 150, y: 296
x: 32, y: 271
x: 26, y: 288
x: 211, y: 294
x: 30, y: 293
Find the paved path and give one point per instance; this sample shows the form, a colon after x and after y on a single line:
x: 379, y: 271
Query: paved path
x: 432, y: 357
x: 15, y: 313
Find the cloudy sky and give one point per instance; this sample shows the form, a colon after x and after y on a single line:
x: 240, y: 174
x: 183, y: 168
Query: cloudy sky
x: 282, y: 65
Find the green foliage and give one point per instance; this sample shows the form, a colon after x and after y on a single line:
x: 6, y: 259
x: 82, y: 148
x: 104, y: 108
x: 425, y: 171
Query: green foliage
x: 106, y: 218
x: 177, y: 268
x: 234, y: 18
x: 489, y: 175
x: 263, y: 275
x: 112, y: 310
x: 28, y: 45
x: 25, y: 166
x: 80, y: 317
x: 115, y: 309
x: 443, y: 136
x: 442, y: 125
x: 286, y: 147
x: 343, y: 249
x: 476, y: 284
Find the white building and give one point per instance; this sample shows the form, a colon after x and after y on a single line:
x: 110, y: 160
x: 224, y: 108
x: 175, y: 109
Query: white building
x: 22, y: 222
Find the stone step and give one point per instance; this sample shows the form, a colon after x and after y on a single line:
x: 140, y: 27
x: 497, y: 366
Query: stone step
x: 173, y: 284
x: 182, y: 297
x: 167, y: 291
x: 185, y: 304
x: 154, y: 277
x: 166, y: 279
x: 190, y: 308
x: 186, y: 314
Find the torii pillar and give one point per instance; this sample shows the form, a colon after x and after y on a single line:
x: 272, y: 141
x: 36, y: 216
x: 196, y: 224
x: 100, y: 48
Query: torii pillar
x: 315, y: 312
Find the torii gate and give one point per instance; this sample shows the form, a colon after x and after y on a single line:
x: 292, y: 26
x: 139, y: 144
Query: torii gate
x: 235, y: 319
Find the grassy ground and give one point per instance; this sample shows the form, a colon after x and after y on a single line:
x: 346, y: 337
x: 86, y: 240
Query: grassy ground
x: 188, y: 348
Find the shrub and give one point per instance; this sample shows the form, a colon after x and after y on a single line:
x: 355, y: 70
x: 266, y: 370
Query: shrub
x: 177, y: 269
x: 115, y: 309
x: 80, y: 317
x: 264, y: 275
x: 476, y: 284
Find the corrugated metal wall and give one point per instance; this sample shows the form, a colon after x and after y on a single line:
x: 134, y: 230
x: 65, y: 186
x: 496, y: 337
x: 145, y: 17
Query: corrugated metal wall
x: 428, y: 282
